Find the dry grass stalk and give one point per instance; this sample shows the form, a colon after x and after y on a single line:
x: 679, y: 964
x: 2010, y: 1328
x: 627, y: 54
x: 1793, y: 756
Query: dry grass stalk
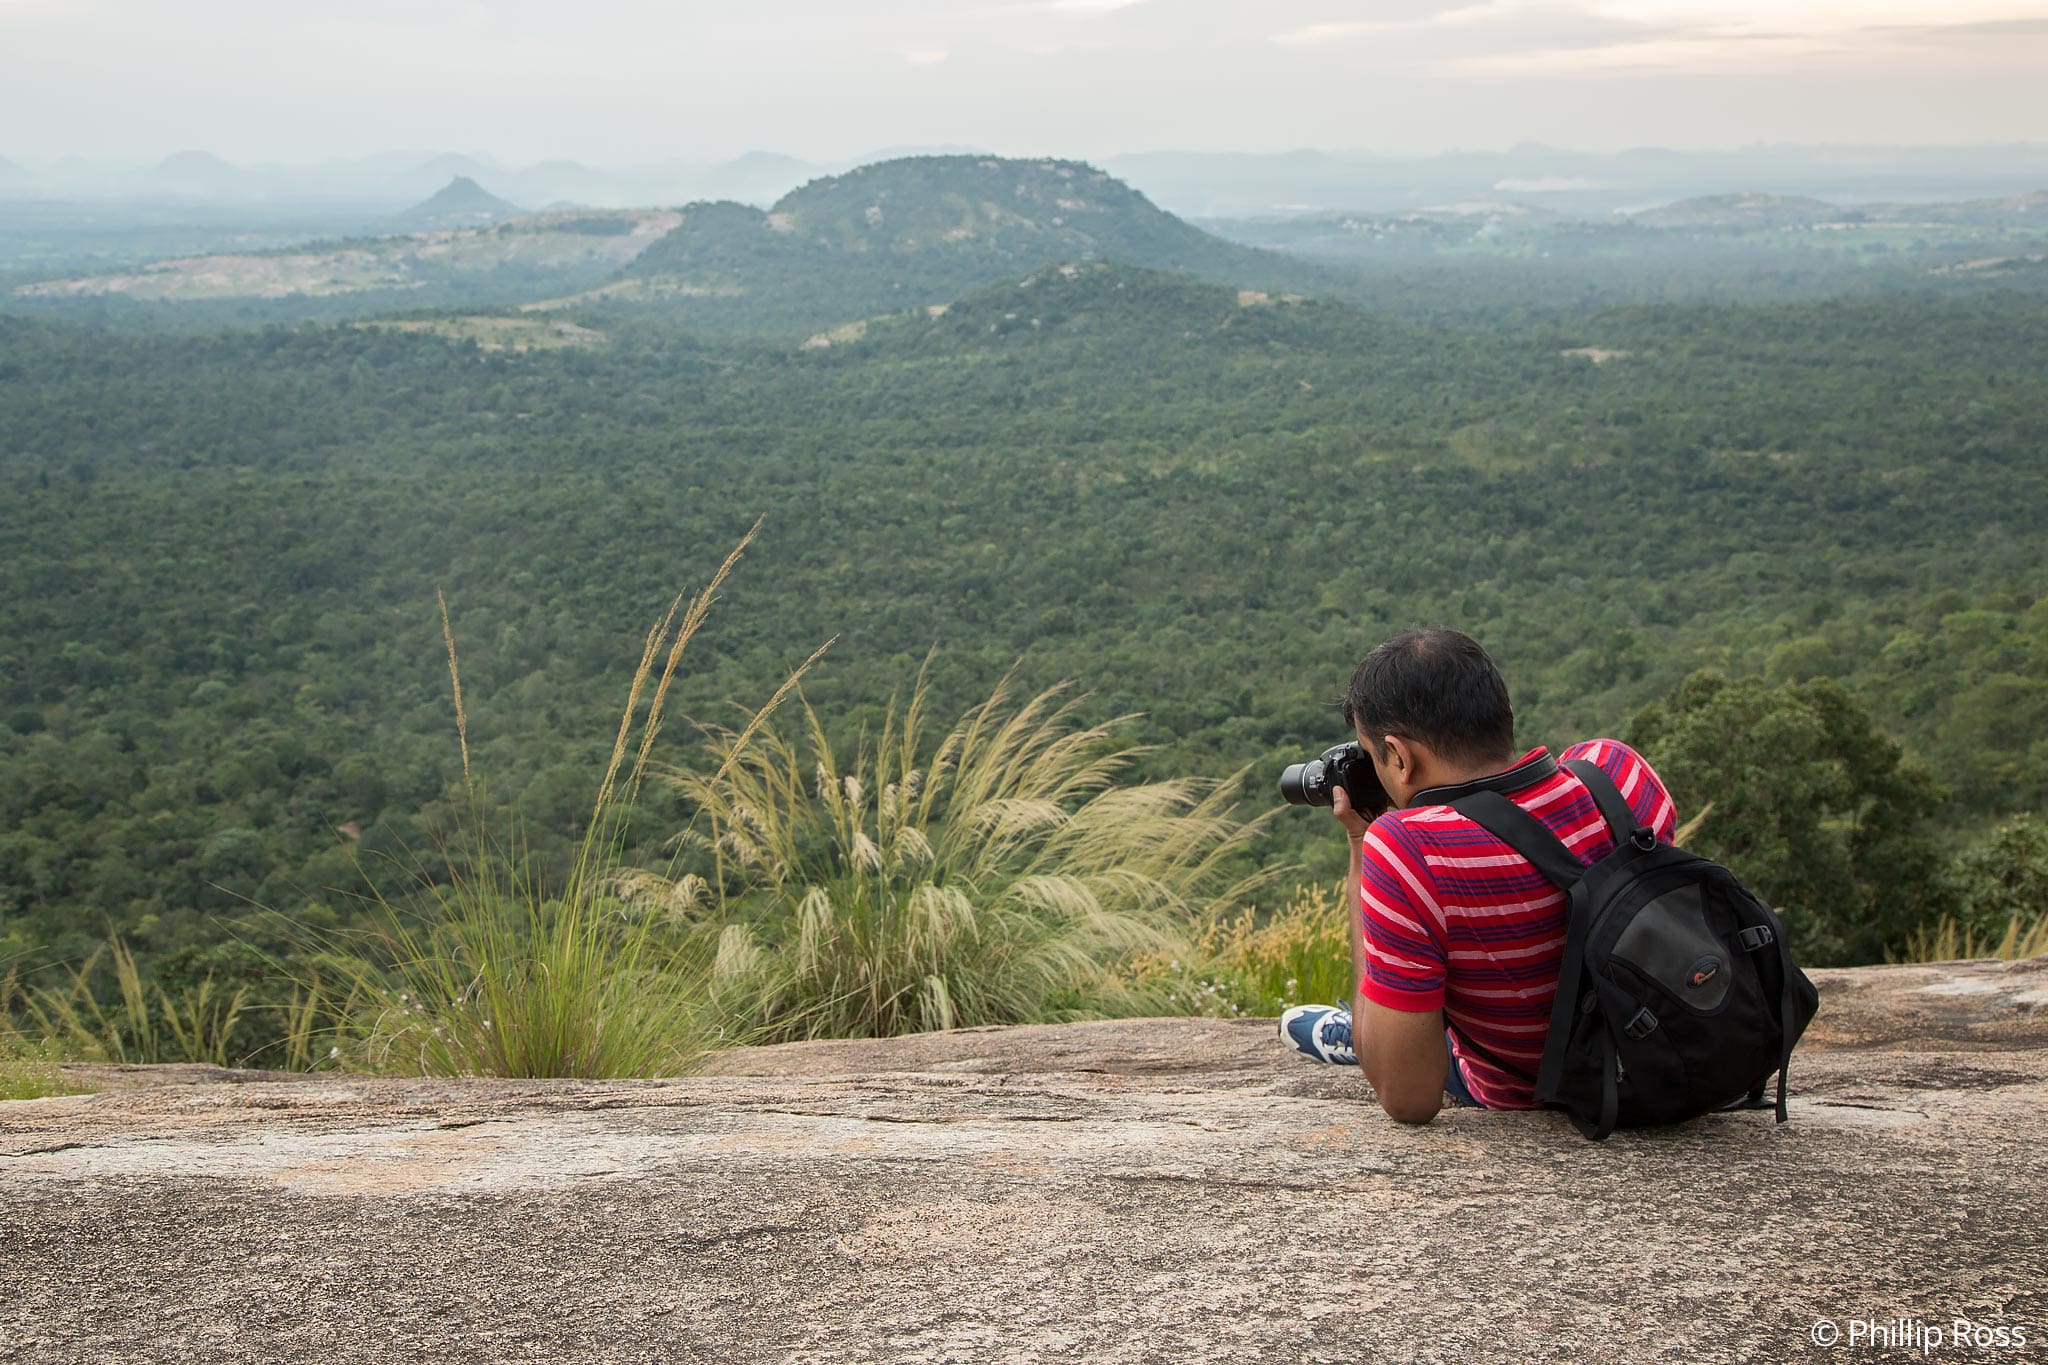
x: 1684, y: 835
x: 455, y: 682
x: 692, y: 619
x: 500, y: 974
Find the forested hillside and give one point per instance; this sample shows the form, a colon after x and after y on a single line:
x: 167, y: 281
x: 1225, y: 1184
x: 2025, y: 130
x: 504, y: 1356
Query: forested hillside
x: 920, y: 231
x: 221, y: 676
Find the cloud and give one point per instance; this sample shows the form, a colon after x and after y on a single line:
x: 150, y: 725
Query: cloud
x: 1435, y: 42
x: 1462, y: 16
x: 1673, y: 55
x: 1982, y: 28
x: 1785, y: 37
x: 1315, y: 34
x: 653, y: 79
x: 1554, y: 39
x: 1813, y: 16
x: 1061, y: 49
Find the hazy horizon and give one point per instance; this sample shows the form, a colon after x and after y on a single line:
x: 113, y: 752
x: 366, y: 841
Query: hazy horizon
x: 488, y: 158
x: 624, y: 82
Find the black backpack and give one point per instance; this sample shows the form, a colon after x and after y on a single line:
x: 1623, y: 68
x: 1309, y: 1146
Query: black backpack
x: 1677, y: 993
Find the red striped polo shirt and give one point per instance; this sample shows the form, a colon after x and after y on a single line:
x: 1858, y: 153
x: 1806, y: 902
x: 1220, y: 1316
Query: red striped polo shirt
x: 1456, y: 920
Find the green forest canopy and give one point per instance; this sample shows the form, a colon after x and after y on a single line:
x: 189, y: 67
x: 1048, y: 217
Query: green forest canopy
x: 219, y: 653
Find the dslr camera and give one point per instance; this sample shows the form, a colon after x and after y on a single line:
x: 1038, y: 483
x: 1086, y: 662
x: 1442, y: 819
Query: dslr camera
x: 1344, y: 765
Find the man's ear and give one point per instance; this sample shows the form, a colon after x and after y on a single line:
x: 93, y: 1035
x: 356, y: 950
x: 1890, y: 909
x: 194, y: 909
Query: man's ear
x: 1399, y: 756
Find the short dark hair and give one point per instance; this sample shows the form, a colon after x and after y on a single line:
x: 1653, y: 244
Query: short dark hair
x: 1436, y: 686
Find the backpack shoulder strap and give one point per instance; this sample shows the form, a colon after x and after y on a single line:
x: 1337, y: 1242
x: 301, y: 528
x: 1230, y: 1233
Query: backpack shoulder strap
x: 1533, y: 839
x: 1523, y: 833
x: 1614, y: 807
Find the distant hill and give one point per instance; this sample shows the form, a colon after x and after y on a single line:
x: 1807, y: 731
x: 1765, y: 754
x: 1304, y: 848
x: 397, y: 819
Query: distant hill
x: 1466, y: 231
x: 753, y: 178
x: 920, y: 231
x: 559, y: 184
x: 1755, y: 244
x: 2011, y: 211
x: 191, y: 162
x: 461, y: 203
x: 1741, y: 210
x: 507, y: 262
x: 1584, y: 184
x: 1153, y: 313
x: 1790, y: 211
x: 454, y: 164
x: 199, y: 174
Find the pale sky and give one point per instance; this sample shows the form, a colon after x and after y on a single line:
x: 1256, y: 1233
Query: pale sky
x: 616, y: 81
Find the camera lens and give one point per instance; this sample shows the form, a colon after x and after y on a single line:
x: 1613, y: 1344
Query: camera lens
x: 1305, y: 784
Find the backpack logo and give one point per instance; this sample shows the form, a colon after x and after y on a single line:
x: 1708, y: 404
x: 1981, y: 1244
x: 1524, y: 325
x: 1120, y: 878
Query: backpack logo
x: 1703, y: 971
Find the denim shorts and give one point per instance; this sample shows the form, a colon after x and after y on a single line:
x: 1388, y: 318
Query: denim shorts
x: 1454, y: 1080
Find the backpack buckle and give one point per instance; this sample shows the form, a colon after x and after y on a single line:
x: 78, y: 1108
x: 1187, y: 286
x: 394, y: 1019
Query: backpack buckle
x: 1756, y: 936
x: 1641, y: 1024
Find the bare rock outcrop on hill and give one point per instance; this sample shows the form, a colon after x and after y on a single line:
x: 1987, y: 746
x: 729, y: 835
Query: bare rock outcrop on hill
x: 1174, y: 1190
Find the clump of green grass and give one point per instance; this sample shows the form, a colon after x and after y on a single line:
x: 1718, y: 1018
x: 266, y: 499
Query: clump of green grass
x: 1001, y: 876
x: 495, y: 973
x: 29, y: 1063
x: 30, y: 1071
x: 143, y: 1025
x: 1300, y: 954
x: 1254, y: 964
x: 1947, y: 941
x: 1999, y: 884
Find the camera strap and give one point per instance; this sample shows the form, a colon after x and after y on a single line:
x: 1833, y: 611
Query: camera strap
x: 1527, y: 773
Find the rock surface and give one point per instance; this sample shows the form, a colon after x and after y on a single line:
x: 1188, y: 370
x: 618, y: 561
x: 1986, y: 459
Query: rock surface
x: 1167, y: 1190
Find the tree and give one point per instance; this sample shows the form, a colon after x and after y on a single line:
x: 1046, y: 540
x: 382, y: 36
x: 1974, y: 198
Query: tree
x: 2003, y: 877
x: 1813, y: 807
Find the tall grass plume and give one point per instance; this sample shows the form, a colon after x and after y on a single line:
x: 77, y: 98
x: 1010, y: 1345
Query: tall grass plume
x: 1001, y: 875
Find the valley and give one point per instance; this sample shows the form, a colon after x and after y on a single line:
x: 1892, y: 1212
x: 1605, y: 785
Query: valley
x: 1007, y: 414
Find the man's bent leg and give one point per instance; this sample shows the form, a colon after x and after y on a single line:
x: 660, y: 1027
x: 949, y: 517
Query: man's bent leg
x: 1324, y: 1033
x: 1320, y: 1031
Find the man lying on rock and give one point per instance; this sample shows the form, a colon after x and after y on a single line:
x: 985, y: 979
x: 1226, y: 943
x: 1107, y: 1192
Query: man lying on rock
x: 1456, y: 939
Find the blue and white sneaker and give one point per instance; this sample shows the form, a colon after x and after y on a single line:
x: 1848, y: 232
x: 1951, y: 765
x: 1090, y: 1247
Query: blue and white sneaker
x: 1319, y: 1031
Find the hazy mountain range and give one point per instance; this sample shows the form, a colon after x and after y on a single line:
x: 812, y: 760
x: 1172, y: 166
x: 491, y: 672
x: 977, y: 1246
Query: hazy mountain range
x: 901, y: 234
x: 918, y: 232
x: 392, y: 180
x: 461, y: 203
x: 1195, y: 184
x: 1210, y: 185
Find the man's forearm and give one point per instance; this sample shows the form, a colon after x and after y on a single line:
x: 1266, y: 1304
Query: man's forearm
x: 1401, y: 1053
